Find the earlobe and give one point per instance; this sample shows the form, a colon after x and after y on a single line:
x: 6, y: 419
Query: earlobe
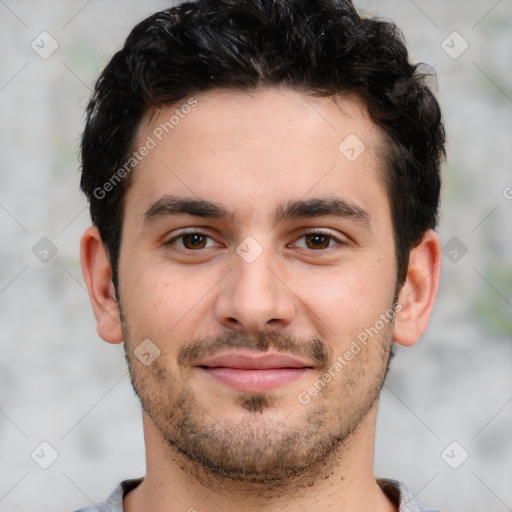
x: 419, y: 291
x: 97, y: 273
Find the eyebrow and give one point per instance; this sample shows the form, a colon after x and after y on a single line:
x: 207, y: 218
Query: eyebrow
x: 169, y: 205
x: 175, y: 205
x: 317, y: 207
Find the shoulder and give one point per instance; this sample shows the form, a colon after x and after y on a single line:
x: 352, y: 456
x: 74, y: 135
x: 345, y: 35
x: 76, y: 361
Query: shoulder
x: 114, y: 503
x: 401, y: 496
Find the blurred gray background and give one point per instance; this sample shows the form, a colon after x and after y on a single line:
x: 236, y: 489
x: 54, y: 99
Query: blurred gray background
x: 445, y: 420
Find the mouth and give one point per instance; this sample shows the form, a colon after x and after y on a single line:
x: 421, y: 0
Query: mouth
x: 253, y: 372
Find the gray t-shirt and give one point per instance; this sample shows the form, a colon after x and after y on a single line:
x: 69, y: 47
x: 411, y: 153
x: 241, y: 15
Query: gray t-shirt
x: 394, y: 490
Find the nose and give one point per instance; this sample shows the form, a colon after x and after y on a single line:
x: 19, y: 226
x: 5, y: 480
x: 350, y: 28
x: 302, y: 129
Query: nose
x: 254, y: 296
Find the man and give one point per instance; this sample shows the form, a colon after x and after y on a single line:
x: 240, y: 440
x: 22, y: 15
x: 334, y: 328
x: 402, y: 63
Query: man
x: 263, y: 178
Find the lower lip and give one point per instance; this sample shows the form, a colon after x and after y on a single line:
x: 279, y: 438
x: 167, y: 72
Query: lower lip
x: 254, y: 381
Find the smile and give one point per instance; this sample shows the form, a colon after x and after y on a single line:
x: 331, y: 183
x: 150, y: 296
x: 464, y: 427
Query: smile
x: 252, y: 372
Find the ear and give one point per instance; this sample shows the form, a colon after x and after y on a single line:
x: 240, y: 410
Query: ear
x: 418, y: 294
x: 97, y: 273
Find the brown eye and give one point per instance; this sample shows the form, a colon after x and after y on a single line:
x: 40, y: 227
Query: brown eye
x: 317, y: 241
x: 194, y: 241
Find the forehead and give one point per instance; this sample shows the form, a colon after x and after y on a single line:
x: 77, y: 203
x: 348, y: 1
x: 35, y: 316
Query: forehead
x: 250, y: 149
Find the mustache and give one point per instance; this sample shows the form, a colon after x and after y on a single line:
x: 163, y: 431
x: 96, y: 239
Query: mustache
x: 313, y: 348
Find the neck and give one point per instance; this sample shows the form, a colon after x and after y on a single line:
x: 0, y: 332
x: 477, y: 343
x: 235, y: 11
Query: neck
x: 345, y: 483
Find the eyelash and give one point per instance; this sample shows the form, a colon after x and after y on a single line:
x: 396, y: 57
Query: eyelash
x: 308, y: 233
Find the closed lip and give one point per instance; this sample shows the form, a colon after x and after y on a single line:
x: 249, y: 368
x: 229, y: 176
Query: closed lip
x: 251, y: 360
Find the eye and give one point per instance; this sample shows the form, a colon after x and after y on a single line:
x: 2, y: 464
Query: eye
x: 191, y: 241
x: 318, y: 240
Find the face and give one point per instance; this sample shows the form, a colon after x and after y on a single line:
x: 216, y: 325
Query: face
x: 257, y: 261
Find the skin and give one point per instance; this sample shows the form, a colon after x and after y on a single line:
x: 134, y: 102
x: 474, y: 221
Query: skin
x: 312, y: 297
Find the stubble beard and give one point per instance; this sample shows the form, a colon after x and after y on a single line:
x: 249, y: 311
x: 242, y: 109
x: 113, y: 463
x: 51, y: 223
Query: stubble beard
x: 261, y: 449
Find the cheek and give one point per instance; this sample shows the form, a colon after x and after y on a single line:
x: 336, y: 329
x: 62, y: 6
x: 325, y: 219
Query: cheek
x: 343, y: 304
x: 163, y: 300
